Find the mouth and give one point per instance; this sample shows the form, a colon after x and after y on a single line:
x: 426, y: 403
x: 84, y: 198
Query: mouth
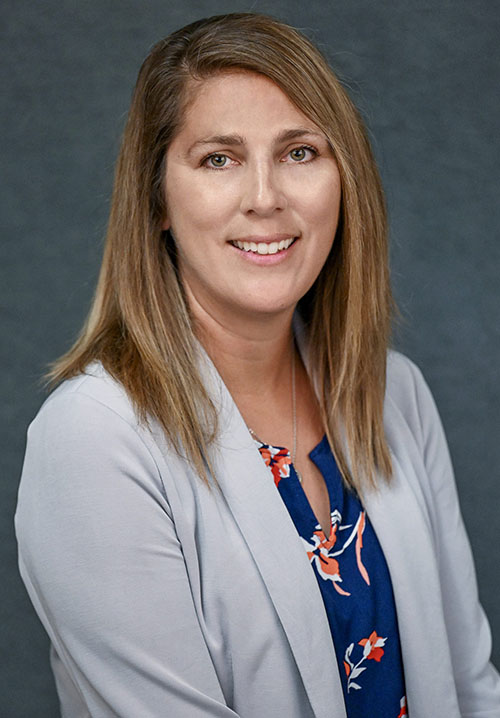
x: 264, y: 247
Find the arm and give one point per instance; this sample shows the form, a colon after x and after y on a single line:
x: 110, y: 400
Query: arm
x: 477, y: 681
x: 102, y: 563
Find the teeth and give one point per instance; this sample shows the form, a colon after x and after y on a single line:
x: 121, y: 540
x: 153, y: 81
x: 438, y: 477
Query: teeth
x: 264, y: 247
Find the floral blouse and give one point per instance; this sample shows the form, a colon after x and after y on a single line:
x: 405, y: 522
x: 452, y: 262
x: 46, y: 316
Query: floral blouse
x: 355, y: 585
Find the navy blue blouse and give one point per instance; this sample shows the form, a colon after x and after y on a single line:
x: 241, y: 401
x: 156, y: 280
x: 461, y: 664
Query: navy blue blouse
x: 355, y: 585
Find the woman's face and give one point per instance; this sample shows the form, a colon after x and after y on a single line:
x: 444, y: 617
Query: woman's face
x: 253, y: 195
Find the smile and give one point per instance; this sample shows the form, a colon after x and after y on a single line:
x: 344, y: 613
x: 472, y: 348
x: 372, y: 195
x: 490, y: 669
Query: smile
x: 264, y: 247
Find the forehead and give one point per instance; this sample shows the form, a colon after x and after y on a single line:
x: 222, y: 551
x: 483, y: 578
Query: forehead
x: 231, y: 100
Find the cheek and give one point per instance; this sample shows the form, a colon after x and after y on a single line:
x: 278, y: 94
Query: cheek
x: 200, y: 204
x: 319, y: 188
x: 320, y: 207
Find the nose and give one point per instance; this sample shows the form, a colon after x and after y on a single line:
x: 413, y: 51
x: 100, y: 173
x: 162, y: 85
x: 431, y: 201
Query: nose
x: 263, y: 192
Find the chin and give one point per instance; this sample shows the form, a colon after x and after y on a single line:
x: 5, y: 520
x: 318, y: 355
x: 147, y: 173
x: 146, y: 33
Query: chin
x: 268, y: 308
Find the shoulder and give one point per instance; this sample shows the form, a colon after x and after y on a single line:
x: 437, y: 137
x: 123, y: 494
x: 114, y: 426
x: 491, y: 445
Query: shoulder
x: 86, y: 395
x: 404, y: 378
x: 406, y: 385
x: 408, y: 401
x: 86, y: 444
x: 412, y: 422
x: 86, y: 423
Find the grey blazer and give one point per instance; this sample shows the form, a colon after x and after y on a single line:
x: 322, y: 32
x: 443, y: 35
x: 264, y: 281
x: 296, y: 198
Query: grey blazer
x: 163, y: 599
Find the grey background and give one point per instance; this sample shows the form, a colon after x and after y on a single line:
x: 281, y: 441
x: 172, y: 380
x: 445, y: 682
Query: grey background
x: 426, y: 76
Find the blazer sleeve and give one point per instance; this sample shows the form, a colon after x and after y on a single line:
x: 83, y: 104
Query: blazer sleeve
x: 477, y: 681
x: 101, y: 560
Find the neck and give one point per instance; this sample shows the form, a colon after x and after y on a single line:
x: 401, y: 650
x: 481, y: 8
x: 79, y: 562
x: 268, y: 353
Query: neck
x: 252, y: 354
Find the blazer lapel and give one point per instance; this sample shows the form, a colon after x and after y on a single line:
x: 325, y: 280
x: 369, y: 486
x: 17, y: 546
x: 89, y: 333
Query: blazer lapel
x: 404, y: 534
x: 277, y: 550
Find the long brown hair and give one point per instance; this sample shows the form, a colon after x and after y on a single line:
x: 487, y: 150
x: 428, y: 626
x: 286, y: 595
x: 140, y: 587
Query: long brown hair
x: 139, y: 325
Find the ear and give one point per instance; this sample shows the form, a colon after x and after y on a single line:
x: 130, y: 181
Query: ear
x: 166, y: 223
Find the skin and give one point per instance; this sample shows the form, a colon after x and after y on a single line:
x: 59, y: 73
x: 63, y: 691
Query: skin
x: 247, y: 164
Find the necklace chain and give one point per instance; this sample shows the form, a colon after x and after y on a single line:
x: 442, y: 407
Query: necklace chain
x: 294, y: 422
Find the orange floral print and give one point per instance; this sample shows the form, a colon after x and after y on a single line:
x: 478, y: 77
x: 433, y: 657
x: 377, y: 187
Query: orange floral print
x: 359, y: 546
x: 403, y: 713
x: 278, y: 461
x: 373, y: 649
x: 319, y: 552
x: 323, y: 551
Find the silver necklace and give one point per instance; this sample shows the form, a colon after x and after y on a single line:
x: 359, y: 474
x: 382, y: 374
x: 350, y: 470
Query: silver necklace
x: 294, y: 423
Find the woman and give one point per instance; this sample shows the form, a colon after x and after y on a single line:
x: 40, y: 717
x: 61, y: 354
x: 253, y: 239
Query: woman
x: 235, y: 503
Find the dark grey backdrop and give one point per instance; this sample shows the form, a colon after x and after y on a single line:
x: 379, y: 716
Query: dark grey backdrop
x: 426, y: 76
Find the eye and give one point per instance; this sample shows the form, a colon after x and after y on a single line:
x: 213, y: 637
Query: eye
x: 216, y: 161
x: 302, y: 154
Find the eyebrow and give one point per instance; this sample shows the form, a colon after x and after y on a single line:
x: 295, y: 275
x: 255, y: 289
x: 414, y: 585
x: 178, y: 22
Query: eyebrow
x: 238, y: 140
